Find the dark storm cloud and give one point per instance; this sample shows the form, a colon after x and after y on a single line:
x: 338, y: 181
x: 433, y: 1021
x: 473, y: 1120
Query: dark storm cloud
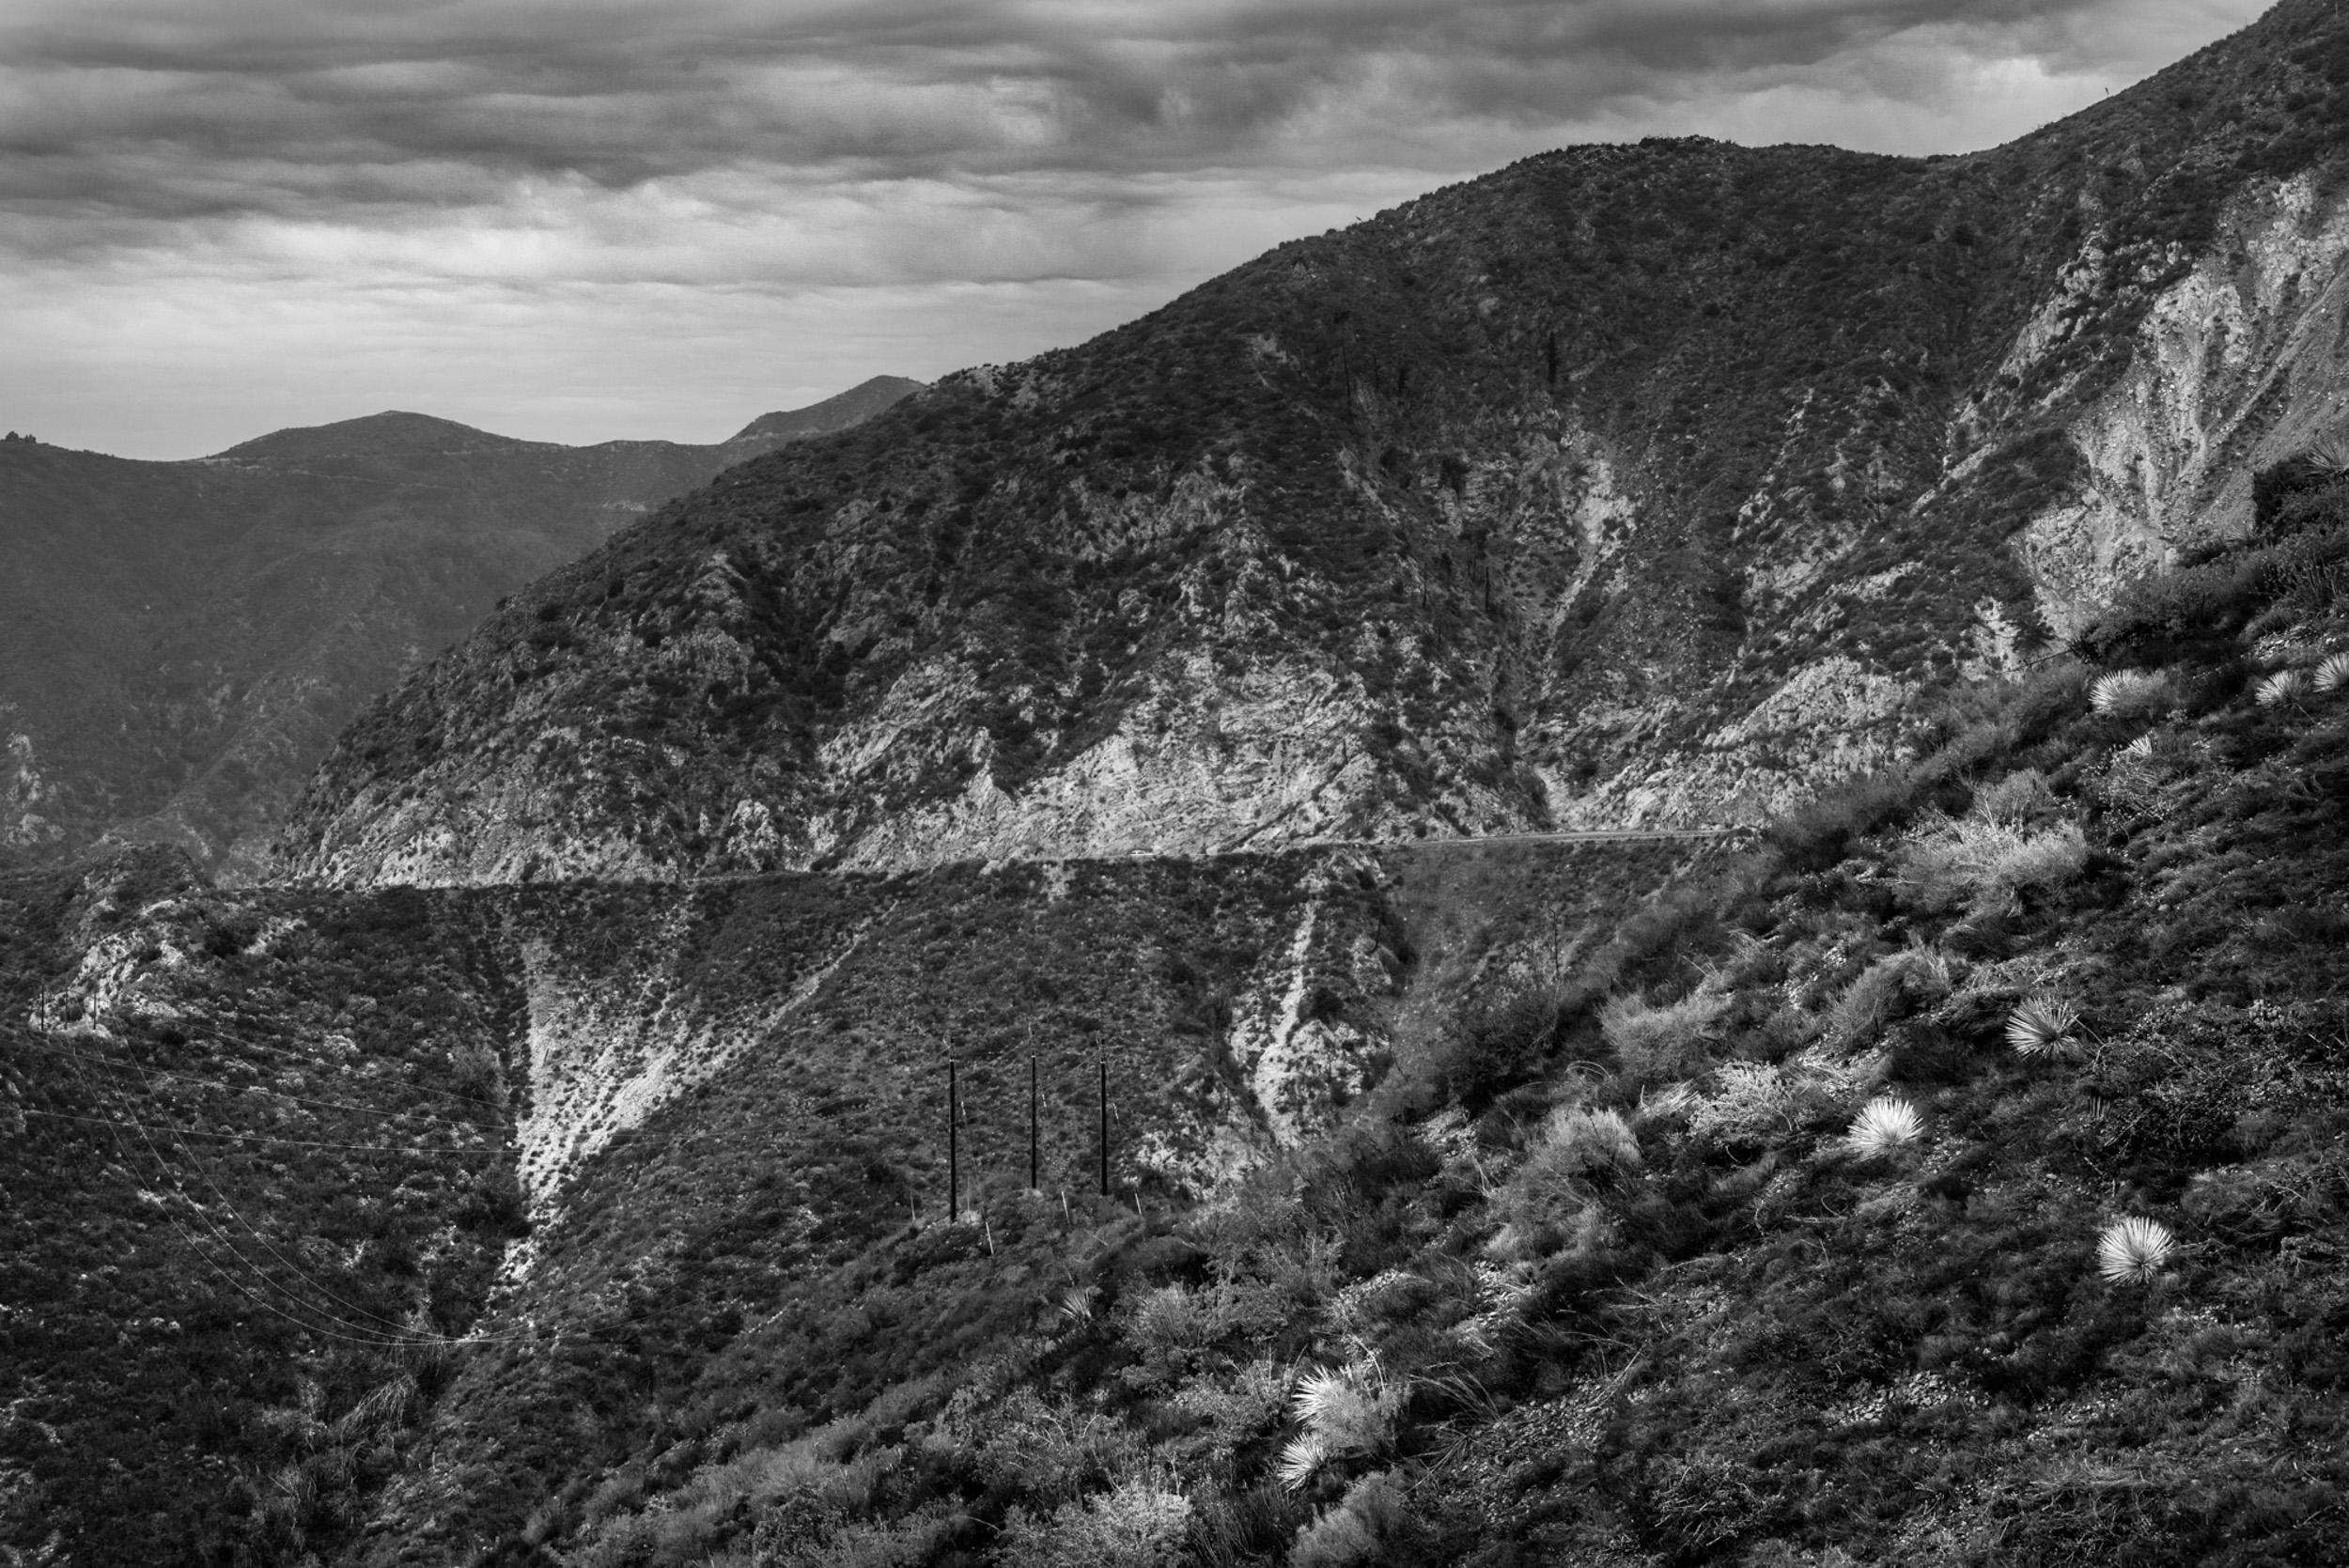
x: 170, y: 111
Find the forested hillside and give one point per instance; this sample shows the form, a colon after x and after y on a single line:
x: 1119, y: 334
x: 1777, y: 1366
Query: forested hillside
x: 179, y: 641
x: 1632, y: 483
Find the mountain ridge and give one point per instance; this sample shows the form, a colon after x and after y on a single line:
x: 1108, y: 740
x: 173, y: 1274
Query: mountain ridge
x: 180, y: 640
x: 1954, y: 1173
x: 1628, y: 483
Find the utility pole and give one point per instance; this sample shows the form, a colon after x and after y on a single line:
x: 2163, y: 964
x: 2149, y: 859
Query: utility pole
x: 1105, y: 1127
x: 954, y: 1141
x: 1034, y: 1185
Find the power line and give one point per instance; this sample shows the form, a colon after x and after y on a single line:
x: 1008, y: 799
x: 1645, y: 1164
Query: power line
x: 283, y: 1051
x: 170, y: 1131
x: 398, y: 1337
x: 365, y: 1336
x: 235, y: 1088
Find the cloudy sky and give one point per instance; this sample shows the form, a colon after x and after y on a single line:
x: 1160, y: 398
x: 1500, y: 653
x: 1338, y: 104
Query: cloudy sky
x: 580, y: 219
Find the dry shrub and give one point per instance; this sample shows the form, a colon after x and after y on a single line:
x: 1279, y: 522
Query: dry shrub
x: 912, y: 1542
x: 1051, y: 1453
x: 1987, y: 866
x: 1372, y: 1524
x: 2016, y: 801
x: 1576, y: 1152
x: 1885, y: 991
x: 1169, y: 1320
x: 800, y: 1491
x: 1577, y: 1142
x: 1142, y: 1523
x: 1656, y: 1042
x: 476, y: 1072
x: 1244, y: 1404
x: 1753, y: 1104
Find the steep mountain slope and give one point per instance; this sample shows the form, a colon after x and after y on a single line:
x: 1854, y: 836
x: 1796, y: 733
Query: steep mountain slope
x: 1629, y: 482
x: 517, y: 1155
x: 179, y: 641
x: 1749, y: 1209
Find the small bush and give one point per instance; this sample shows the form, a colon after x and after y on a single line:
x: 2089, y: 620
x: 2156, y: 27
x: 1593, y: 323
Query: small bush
x: 1373, y: 1525
x: 1754, y: 1104
x: 1550, y: 1193
x: 1816, y: 834
x: 1140, y: 1523
x: 1500, y: 1045
x: 2196, y: 612
x: 2017, y: 800
x: 1653, y: 1043
x: 1887, y: 989
x: 1988, y: 865
x: 1578, y: 1142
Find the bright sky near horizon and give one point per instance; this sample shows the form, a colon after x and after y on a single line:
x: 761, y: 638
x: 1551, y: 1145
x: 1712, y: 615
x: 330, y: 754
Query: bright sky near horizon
x: 574, y: 220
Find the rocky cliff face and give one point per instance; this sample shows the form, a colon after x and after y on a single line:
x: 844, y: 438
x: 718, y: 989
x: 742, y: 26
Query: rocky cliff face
x: 2236, y: 365
x: 179, y: 641
x: 1630, y: 484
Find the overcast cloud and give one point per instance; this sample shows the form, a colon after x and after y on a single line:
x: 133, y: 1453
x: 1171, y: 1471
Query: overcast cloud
x: 575, y: 220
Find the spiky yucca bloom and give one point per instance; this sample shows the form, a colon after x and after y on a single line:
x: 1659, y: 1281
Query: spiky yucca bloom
x: 2042, y: 1026
x: 1324, y: 1390
x: 1883, y: 1124
x: 2110, y: 694
x: 2284, y: 686
x: 2330, y: 454
x: 2132, y: 1252
x: 1300, y: 1460
x: 1346, y: 1411
x: 2332, y: 675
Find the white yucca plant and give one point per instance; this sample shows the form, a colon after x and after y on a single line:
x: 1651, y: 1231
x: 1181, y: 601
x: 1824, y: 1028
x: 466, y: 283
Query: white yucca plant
x: 1345, y: 1410
x: 2332, y: 675
x: 1883, y: 1124
x: 1302, y: 1459
x: 2133, y: 1252
x: 2140, y: 751
x: 2110, y: 694
x: 2043, y: 1026
x: 2284, y: 686
x: 2330, y: 453
x: 1322, y: 1393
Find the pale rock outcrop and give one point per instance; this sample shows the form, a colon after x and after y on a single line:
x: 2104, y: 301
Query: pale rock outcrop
x: 2238, y: 363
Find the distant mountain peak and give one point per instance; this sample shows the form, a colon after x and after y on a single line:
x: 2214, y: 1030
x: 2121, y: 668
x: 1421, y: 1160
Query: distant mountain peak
x: 861, y: 402
x: 391, y: 434
x: 289, y: 579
